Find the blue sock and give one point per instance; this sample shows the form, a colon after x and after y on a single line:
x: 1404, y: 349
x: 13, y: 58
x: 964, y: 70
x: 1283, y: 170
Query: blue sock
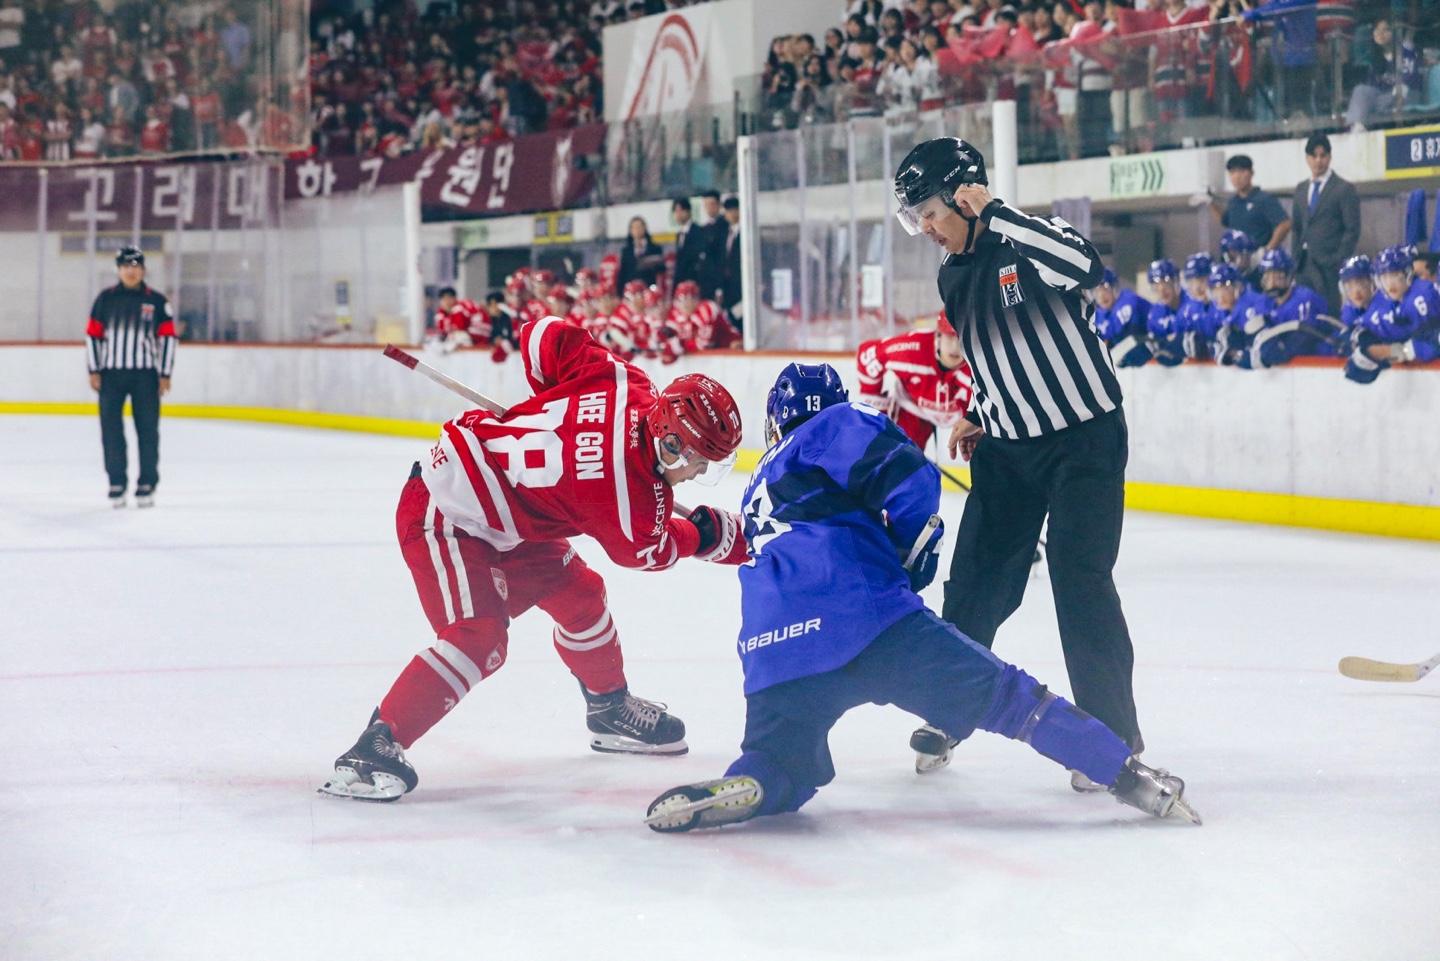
x: 781, y: 793
x: 1025, y: 711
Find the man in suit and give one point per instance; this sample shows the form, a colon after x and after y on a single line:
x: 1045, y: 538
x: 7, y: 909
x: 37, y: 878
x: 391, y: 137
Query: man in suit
x: 716, y: 228
x: 1325, y: 215
x: 731, y: 291
x: 689, y: 243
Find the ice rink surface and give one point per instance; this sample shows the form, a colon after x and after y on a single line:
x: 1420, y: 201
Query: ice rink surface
x: 174, y: 684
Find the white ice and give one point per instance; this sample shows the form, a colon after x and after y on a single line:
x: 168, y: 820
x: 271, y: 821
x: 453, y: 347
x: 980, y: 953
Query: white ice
x: 175, y: 683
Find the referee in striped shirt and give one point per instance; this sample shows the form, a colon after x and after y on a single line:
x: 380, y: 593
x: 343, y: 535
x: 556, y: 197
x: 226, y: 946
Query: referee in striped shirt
x: 1047, y: 405
x: 130, y: 346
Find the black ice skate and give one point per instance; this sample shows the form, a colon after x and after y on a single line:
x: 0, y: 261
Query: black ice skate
x: 932, y: 748
x: 709, y: 804
x: 1154, y: 791
x: 621, y: 723
x: 1082, y: 784
x: 374, y: 769
x: 117, y: 497
x: 144, y: 496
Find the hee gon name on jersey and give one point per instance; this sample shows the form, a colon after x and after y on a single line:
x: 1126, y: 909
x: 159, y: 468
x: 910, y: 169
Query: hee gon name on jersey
x: 590, y: 444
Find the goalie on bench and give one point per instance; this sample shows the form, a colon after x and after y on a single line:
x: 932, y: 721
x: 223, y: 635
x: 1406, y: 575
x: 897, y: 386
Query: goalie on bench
x: 842, y: 499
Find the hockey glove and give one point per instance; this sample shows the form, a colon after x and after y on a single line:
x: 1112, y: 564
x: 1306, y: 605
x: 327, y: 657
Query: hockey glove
x: 924, y: 559
x: 721, y: 540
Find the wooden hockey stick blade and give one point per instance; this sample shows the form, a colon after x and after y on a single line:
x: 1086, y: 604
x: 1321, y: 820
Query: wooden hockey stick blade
x: 1364, y: 669
x: 444, y: 380
x: 406, y: 359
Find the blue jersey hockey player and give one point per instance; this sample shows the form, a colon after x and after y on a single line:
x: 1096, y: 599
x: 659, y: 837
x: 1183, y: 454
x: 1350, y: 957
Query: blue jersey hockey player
x: 1166, y: 334
x: 1195, y: 307
x: 1237, y: 313
x: 1120, y: 317
x: 1402, y: 324
x: 1357, y: 290
x: 1299, y: 322
x: 839, y: 519
x: 1237, y: 248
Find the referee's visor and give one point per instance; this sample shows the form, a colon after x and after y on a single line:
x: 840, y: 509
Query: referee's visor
x: 912, y: 216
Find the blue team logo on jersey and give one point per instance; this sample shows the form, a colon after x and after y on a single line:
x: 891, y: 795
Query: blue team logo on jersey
x: 1010, y: 285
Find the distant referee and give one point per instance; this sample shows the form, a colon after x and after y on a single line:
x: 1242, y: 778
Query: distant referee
x: 1047, y: 405
x: 130, y: 347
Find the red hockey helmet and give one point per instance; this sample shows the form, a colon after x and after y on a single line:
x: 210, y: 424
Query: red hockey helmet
x: 558, y: 292
x: 652, y: 296
x: 634, y: 288
x: 515, y: 283
x: 543, y: 279
x: 586, y: 277
x: 687, y: 288
x: 697, y: 416
x: 943, y: 325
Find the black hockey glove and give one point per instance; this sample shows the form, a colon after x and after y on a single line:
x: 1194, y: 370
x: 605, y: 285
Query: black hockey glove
x: 719, y: 535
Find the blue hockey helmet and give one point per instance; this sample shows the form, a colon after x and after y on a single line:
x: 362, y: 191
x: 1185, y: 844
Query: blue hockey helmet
x: 800, y: 392
x: 1279, y: 260
x: 1197, y: 266
x: 1162, y: 269
x: 1356, y: 268
x: 1236, y: 242
x: 1396, y: 259
x: 1108, y: 279
x: 1221, y: 274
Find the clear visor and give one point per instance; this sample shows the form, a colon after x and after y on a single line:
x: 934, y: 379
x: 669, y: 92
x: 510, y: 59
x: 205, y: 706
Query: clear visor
x: 1357, y: 289
x: 712, y: 472
x: 911, y: 217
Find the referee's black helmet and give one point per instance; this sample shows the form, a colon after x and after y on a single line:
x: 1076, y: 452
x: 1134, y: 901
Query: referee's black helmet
x: 935, y: 167
x: 129, y: 254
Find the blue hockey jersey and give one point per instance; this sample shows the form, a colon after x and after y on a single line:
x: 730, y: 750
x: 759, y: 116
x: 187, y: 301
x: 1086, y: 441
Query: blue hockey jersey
x: 1413, y: 321
x: 1297, y: 327
x: 1122, y: 327
x: 1193, y: 325
x: 1238, y: 326
x: 1166, y: 333
x: 829, y: 513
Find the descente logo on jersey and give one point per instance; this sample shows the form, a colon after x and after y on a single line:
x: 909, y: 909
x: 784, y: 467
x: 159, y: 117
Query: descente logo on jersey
x: 798, y: 629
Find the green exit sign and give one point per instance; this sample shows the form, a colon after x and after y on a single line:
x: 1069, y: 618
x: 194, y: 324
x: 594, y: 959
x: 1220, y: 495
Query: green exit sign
x: 1136, y: 177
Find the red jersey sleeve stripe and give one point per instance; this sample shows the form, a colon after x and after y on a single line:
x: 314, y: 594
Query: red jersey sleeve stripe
x: 166, y: 329
x: 486, y: 487
x: 94, y: 328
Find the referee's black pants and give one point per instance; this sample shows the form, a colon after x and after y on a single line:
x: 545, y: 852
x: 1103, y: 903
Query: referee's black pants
x: 142, y: 387
x: 1077, y: 476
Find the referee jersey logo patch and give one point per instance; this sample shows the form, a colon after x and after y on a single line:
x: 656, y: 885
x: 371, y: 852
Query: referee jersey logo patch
x: 1010, y: 285
x: 147, y: 313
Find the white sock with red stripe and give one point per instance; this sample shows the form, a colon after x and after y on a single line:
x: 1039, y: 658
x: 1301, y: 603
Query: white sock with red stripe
x: 438, y: 677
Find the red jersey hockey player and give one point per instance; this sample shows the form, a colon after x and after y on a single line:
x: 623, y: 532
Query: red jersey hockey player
x: 484, y: 523
x: 460, y: 322
x: 701, y: 324
x: 920, y: 379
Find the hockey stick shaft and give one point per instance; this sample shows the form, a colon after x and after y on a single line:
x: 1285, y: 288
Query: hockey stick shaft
x: 1364, y: 669
x: 406, y: 359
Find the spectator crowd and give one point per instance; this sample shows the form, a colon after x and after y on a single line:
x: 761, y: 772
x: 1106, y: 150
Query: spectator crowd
x: 1097, y: 76
x: 145, y: 78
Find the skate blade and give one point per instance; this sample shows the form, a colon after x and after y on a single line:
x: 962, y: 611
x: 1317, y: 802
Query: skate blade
x: 619, y: 744
x: 684, y: 813
x: 144, y: 502
x: 930, y: 763
x: 347, y: 784
x: 1083, y: 785
x: 1182, y: 809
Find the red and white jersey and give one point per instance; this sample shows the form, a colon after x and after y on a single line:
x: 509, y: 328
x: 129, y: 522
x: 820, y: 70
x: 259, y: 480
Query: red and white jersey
x: 464, y: 317
x: 905, y: 368
x: 572, y: 459
x: 533, y: 310
x: 706, y: 328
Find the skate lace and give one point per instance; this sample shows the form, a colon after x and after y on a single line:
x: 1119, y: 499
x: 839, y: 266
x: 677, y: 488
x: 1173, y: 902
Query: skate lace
x: 640, y: 712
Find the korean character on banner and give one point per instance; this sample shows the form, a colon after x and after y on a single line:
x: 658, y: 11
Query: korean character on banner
x: 462, y: 179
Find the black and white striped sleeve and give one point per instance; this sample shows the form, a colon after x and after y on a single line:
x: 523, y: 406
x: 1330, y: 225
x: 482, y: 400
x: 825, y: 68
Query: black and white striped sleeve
x: 1064, y: 259
x: 166, y: 339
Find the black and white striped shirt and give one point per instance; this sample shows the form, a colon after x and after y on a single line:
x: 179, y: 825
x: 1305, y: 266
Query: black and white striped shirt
x: 1020, y: 304
x: 131, y: 329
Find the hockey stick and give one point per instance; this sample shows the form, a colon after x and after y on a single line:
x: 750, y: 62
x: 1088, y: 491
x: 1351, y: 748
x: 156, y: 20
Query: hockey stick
x: 955, y: 479
x: 1364, y: 669
x: 406, y: 359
